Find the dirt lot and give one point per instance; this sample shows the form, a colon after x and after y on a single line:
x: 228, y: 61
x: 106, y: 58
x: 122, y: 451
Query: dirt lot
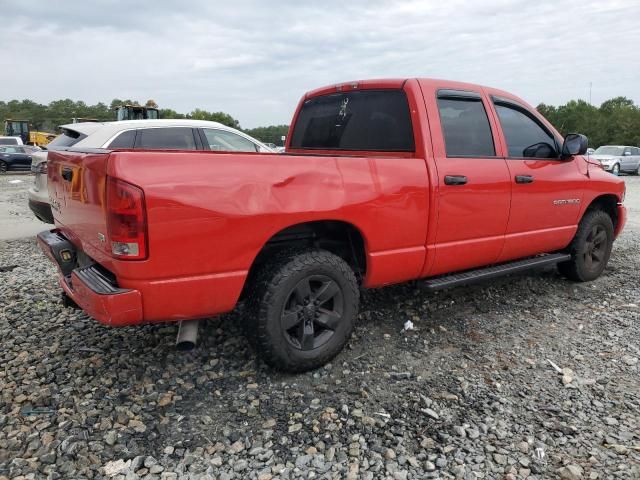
x: 470, y: 393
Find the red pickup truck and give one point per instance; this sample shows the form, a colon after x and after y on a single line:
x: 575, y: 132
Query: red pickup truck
x: 382, y: 181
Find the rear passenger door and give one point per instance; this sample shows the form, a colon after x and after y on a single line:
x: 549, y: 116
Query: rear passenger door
x: 546, y: 190
x: 473, y: 191
x: 21, y: 156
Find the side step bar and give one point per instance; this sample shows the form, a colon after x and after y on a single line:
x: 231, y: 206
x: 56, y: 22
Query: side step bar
x: 473, y: 276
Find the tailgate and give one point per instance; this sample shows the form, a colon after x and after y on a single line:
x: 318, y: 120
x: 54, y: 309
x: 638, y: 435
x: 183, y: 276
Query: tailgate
x: 77, y: 195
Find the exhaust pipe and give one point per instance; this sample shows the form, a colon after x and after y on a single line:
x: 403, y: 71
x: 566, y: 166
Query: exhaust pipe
x: 187, y: 335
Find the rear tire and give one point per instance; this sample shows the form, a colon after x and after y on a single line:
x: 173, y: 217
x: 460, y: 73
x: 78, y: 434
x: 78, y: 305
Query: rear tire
x: 302, y: 309
x: 590, y: 249
x: 3, y: 167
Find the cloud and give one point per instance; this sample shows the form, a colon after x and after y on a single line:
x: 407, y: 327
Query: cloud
x: 255, y: 59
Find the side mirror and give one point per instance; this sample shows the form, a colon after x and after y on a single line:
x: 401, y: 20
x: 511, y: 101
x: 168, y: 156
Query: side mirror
x: 574, y: 144
x: 627, y: 153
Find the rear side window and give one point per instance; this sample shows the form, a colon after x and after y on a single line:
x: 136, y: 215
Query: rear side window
x: 8, y: 141
x: 221, y: 140
x: 166, y: 139
x: 373, y: 120
x: 465, y: 127
x: 525, y: 136
x: 67, y: 138
x: 124, y: 140
x: 635, y: 151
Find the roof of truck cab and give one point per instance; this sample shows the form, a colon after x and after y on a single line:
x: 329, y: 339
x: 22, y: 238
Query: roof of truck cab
x: 395, y: 83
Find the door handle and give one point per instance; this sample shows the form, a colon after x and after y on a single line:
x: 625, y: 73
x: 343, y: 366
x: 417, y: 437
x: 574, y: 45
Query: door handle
x: 67, y: 174
x: 455, y: 180
x: 524, y: 179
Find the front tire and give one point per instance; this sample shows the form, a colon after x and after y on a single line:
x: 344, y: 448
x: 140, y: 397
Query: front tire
x: 3, y: 167
x: 303, y: 309
x: 616, y: 169
x: 590, y: 248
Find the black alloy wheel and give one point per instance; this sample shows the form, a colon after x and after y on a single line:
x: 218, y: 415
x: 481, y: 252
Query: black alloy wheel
x: 596, y: 247
x: 590, y: 248
x: 303, y: 306
x: 312, y: 312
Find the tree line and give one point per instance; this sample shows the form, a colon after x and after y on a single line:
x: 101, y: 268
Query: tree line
x: 615, y: 121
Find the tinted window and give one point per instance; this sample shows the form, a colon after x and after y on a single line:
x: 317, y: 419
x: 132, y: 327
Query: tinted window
x: 465, y: 127
x: 8, y: 141
x: 635, y: 151
x: 525, y: 137
x: 627, y: 151
x: 68, y: 138
x: 222, y: 140
x: 124, y: 140
x: 374, y: 120
x: 166, y: 139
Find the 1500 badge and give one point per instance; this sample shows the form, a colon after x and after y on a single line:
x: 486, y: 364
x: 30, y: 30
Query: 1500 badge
x: 567, y: 201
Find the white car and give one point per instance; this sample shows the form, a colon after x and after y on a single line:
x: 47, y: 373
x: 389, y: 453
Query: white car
x: 11, y: 141
x: 177, y: 134
x: 618, y: 158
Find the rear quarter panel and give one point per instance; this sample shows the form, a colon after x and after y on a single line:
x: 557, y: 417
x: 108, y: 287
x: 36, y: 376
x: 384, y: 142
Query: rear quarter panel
x: 210, y: 213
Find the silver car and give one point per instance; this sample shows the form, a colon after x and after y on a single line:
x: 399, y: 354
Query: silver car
x: 618, y: 158
x: 136, y: 134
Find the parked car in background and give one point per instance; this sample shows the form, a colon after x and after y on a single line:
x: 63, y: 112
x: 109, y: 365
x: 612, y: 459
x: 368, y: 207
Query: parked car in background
x: 10, y: 141
x: 618, y: 158
x: 176, y: 134
x: 14, y: 157
x: 31, y: 148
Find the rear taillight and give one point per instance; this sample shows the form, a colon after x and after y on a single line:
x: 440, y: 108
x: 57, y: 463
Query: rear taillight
x: 126, y: 220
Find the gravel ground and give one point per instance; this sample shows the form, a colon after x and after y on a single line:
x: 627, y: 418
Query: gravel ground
x: 16, y: 220
x: 473, y: 391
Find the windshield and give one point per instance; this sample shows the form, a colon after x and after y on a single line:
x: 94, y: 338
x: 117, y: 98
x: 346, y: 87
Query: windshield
x: 616, y: 151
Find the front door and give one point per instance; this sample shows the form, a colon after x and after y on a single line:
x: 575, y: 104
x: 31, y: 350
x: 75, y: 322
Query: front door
x: 473, y: 192
x: 546, y: 190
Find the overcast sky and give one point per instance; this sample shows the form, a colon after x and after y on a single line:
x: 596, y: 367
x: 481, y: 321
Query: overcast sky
x: 254, y: 59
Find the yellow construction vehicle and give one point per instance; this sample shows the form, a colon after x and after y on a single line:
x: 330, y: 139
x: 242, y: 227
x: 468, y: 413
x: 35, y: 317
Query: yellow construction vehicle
x: 136, y: 112
x: 20, y: 128
x: 83, y: 120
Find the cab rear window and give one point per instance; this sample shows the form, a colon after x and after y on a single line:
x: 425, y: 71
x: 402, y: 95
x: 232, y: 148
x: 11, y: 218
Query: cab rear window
x: 368, y: 120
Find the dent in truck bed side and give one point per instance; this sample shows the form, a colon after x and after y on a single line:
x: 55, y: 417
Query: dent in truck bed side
x: 205, y: 234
